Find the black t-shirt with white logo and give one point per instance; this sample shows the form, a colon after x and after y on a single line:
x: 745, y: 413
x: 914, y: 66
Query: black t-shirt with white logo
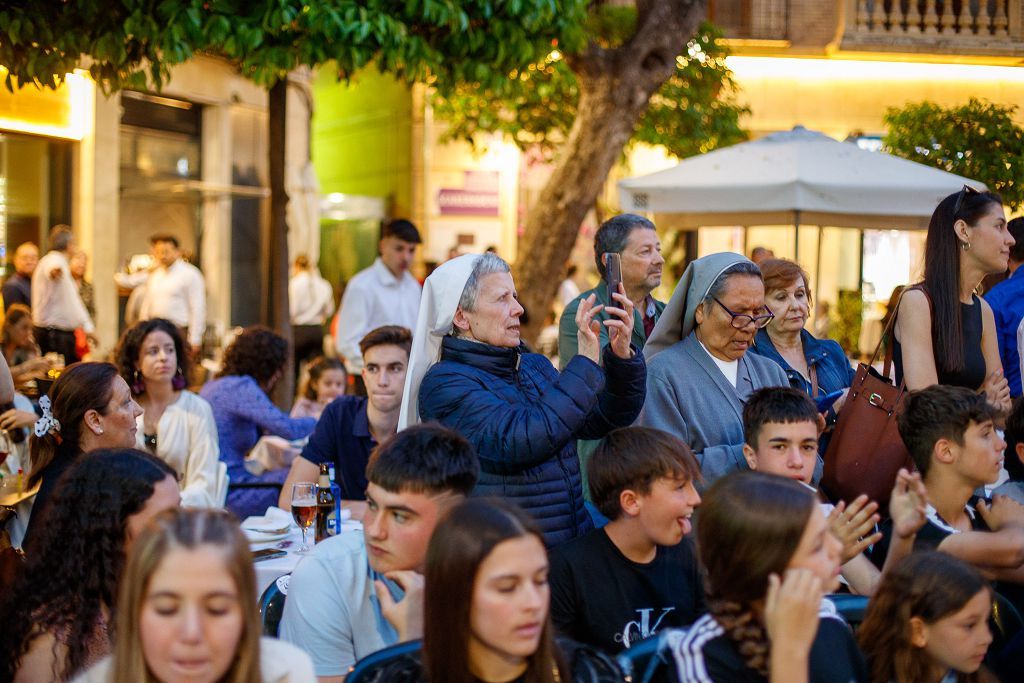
x: 603, y: 599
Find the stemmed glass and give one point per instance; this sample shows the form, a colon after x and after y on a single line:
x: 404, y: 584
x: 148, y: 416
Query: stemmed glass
x: 6, y: 445
x: 304, y: 509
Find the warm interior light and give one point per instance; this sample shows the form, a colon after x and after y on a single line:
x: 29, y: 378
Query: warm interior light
x: 864, y: 70
x: 66, y: 112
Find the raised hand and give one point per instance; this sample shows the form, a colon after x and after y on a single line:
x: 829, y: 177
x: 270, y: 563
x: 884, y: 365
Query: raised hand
x: 1003, y: 512
x: 792, y: 607
x: 854, y: 525
x: 588, y: 337
x: 907, y: 504
x: 406, y: 615
x: 620, y: 325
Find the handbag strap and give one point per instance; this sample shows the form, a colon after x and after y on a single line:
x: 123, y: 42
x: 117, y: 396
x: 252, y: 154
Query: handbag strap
x: 813, y: 372
x: 890, y: 330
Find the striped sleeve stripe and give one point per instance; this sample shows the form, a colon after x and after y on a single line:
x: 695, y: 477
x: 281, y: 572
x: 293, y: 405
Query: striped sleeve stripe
x: 689, y: 653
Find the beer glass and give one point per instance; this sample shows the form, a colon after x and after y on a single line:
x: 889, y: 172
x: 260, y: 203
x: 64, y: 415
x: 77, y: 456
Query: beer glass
x: 304, y: 509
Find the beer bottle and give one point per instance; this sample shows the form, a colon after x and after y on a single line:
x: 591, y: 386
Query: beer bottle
x: 324, y: 503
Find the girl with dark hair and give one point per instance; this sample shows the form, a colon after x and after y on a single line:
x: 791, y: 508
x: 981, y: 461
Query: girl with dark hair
x: 770, y: 557
x: 485, y: 615
x: 243, y: 411
x: 326, y: 382
x: 928, y: 623
x: 89, y: 407
x: 54, y: 619
x: 20, y: 348
x: 944, y: 332
x: 176, y: 425
x: 185, y: 610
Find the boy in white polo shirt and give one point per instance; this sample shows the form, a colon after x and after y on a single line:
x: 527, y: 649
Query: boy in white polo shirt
x: 360, y: 592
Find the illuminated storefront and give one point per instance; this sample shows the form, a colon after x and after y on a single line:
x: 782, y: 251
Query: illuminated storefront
x: 39, y: 130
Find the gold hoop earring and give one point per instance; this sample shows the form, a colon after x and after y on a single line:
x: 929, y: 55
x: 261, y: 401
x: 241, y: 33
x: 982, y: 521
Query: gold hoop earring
x: 965, y: 245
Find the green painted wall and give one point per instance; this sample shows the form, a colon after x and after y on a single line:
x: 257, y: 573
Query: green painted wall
x: 362, y: 145
x: 362, y: 137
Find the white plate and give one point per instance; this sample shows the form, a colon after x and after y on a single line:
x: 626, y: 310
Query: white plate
x: 261, y: 537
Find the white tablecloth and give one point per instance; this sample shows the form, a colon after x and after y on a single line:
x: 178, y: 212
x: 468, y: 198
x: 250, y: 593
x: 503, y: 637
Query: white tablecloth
x: 269, y: 570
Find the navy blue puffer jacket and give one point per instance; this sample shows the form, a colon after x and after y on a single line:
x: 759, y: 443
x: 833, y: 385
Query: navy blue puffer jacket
x: 524, y: 418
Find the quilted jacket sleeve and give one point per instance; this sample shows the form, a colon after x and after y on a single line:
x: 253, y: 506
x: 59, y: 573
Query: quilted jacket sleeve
x: 620, y: 402
x: 510, y: 437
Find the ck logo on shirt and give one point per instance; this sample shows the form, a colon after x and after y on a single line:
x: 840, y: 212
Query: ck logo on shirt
x: 635, y: 631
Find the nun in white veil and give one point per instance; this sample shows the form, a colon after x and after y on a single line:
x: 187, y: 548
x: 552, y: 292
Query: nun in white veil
x: 469, y: 371
x: 699, y: 373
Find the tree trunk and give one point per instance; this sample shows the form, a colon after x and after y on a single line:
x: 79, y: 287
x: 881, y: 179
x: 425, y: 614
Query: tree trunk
x: 274, y: 245
x: 615, y: 88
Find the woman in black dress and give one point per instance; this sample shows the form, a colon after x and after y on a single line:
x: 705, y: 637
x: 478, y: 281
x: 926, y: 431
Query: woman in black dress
x: 944, y: 332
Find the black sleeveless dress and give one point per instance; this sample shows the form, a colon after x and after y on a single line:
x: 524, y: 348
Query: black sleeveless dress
x: 972, y: 375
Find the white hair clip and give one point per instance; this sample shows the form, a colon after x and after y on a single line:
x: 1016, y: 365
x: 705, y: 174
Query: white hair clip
x: 46, y: 424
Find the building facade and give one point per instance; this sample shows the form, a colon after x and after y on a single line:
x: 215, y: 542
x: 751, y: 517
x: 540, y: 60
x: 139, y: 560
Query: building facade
x: 190, y: 161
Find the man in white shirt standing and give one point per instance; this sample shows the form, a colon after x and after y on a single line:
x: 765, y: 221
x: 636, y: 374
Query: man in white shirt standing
x: 57, y: 308
x: 311, y: 303
x: 383, y: 294
x: 175, y: 289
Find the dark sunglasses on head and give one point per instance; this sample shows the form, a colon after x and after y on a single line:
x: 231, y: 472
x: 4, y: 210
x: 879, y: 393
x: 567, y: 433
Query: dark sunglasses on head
x: 967, y: 189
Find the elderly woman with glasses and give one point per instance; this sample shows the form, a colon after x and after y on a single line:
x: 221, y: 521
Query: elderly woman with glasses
x: 944, y: 332
x: 699, y: 372
x: 816, y: 366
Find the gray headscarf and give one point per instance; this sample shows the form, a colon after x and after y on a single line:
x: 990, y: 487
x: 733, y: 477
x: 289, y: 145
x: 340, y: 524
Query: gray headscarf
x: 678, y: 319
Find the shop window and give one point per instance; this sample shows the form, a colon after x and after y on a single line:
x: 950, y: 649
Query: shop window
x: 160, y: 161
x: 35, y: 189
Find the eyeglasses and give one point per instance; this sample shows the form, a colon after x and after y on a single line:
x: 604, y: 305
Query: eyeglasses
x: 967, y: 189
x: 741, y: 320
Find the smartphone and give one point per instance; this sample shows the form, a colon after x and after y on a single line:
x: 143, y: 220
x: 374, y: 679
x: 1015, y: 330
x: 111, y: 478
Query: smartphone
x: 825, y: 402
x: 612, y: 274
x: 267, y: 554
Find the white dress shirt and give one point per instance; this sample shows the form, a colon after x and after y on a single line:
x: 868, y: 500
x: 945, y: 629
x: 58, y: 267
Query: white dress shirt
x: 56, y: 302
x: 186, y: 439
x: 374, y: 297
x: 310, y: 298
x: 177, y: 293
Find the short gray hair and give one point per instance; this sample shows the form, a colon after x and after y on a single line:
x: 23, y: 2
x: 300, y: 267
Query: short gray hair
x: 60, y: 238
x: 718, y: 286
x: 486, y: 264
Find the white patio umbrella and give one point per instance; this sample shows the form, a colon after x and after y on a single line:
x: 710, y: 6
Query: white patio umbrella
x: 792, y: 178
x: 303, y: 211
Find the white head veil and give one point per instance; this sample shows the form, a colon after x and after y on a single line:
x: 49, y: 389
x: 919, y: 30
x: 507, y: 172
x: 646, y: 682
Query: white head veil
x: 441, y: 294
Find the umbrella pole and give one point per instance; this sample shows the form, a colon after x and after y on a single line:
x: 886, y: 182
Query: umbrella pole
x: 817, y: 269
x: 796, y: 236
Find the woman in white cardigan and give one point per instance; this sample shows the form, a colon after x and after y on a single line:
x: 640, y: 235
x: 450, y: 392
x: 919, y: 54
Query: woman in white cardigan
x: 176, y: 425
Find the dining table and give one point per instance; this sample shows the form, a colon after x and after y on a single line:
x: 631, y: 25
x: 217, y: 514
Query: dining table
x: 272, y: 569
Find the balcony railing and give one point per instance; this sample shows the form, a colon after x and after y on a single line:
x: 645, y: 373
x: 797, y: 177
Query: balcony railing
x: 971, y: 26
x: 758, y: 19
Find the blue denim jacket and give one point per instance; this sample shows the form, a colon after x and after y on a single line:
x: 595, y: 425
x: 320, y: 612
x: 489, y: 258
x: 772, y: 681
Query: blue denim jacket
x: 825, y: 355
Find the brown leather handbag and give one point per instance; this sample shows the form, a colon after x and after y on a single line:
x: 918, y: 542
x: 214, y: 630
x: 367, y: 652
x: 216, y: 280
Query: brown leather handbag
x: 866, y: 451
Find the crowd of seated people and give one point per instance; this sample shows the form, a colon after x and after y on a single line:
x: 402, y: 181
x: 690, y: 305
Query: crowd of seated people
x: 701, y: 527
